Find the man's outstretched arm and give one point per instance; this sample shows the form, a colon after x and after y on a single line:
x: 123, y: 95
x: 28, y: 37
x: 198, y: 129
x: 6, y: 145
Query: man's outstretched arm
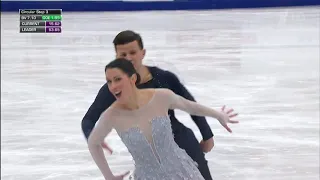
x: 102, y: 101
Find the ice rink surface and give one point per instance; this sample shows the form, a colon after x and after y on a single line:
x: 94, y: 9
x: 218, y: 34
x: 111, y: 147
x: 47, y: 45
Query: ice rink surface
x: 264, y: 63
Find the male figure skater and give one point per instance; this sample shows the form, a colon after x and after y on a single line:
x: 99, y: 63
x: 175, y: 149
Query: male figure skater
x: 129, y: 45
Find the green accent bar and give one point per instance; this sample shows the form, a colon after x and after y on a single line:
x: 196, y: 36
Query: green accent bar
x: 51, y: 17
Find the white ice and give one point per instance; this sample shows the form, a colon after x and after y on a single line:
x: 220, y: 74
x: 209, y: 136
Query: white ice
x: 264, y: 63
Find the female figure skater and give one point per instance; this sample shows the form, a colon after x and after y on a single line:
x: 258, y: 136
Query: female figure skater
x: 140, y: 117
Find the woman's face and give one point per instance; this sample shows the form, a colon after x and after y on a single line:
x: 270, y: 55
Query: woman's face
x: 120, y: 84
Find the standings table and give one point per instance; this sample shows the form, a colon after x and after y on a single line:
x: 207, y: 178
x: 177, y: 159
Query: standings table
x: 40, y: 20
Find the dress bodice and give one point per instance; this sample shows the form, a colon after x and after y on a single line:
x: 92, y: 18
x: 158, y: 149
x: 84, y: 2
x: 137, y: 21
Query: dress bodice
x: 160, y: 159
x: 148, y: 136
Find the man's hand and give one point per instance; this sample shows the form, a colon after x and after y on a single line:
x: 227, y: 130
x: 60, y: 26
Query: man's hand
x: 106, y: 147
x: 207, y: 145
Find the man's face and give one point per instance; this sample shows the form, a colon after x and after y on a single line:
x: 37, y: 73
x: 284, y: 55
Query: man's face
x: 132, y: 52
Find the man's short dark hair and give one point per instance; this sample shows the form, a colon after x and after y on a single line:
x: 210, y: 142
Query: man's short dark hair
x: 127, y: 36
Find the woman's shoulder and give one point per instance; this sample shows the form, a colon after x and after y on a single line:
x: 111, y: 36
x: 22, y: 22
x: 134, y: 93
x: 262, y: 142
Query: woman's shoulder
x: 111, y: 112
x: 164, y: 91
x: 113, y: 109
x: 163, y: 95
x: 158, y: 92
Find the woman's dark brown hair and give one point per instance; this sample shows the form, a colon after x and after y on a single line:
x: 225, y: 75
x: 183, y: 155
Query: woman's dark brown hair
x: 124, y: 65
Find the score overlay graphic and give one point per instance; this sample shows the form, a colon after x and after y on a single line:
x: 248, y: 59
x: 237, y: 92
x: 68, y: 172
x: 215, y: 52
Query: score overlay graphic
x: 40, y: 20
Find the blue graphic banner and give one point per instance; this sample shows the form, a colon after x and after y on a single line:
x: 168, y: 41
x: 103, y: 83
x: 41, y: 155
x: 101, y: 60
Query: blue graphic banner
x: 139, y: 5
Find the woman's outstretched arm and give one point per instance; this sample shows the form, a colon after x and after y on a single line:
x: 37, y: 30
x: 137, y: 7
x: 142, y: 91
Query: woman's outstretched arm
x: 194, y: 108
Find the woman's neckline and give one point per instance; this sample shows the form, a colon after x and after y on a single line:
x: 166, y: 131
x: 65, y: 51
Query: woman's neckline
x: 140, y: 108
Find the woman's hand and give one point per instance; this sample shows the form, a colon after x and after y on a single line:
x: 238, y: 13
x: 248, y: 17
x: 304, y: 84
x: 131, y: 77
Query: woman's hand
x: 225, y: 118
x: 119, y: 177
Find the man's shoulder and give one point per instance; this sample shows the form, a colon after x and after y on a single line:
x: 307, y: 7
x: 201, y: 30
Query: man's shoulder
x: 161, y: 72
x: 105, y: 94
x: 105, y: 89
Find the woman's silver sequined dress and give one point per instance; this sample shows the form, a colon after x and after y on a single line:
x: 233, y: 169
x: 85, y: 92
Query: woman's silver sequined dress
x: 164, y: 160
x: 148, y: 136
